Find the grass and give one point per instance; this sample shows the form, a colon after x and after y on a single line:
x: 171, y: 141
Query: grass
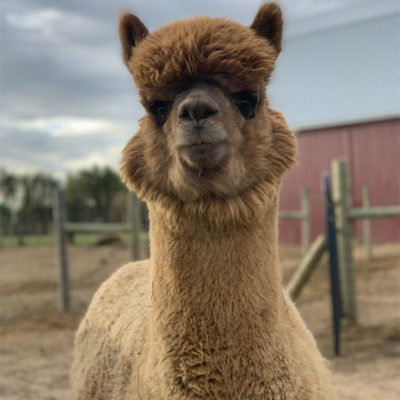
x: 86, y: 239
x: 29, y: 240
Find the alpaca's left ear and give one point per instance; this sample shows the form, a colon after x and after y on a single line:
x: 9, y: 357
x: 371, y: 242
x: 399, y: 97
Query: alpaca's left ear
x: 268, y: 24
x: 131, y: 32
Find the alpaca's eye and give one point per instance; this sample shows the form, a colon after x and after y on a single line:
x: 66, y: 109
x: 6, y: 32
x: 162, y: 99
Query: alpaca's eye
x: 245, y: 107
x: 161, y: 109
x: 246, y: 103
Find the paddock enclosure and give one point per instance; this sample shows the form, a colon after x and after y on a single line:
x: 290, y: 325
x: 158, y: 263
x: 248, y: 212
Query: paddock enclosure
x: 37, y: 340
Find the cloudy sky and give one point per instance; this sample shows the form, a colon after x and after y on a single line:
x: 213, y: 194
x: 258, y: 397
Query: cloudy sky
x: 67, y: 101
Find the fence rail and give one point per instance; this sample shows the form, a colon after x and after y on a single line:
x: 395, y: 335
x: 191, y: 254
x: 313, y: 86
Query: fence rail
x: 293, y: 214
x: 374, y: 212
x: 95, y: 227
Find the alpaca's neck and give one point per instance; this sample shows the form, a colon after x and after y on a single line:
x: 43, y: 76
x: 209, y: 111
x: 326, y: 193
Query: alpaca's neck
x: 214, y: 287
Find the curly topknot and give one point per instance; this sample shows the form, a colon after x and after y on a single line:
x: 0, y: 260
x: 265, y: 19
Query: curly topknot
x: 201, y: 48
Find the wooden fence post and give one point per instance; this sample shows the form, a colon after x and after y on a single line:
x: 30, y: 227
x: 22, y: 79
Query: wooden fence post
x: 59, y: 219
x: 367, y: 235
x: 306, y: 220
x: 342, y: 200
x: 134, y: 222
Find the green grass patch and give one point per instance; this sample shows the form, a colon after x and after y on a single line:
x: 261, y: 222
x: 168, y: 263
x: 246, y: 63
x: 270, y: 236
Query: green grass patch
x: 80, y: 239
x: 28, y: 240
x: 84, y: 239
x: 49, y: 240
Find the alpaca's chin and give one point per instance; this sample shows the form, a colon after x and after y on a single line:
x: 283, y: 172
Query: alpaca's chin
x: 204, y: 158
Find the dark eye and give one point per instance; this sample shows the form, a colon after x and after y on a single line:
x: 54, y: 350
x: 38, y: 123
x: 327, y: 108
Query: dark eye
x: 160, y: 109
x: 246, y: 103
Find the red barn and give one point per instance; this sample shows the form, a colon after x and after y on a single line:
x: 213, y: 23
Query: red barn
x: 338, y: 83
x: 373, y: 150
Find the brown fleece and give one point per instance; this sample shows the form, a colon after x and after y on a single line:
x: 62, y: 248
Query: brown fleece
x: 199, y: 48
x: 206, y: 317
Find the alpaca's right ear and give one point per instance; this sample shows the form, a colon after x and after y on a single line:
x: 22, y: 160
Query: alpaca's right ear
x: 131, y: 32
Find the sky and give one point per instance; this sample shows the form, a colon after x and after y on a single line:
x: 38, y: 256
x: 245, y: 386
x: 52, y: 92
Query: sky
x: 67, y: 101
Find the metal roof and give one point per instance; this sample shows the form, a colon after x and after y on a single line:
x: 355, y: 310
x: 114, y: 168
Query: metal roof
x: 340, y: 68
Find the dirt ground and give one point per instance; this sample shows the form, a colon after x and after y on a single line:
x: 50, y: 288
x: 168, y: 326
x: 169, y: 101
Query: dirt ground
x: 37, y: 340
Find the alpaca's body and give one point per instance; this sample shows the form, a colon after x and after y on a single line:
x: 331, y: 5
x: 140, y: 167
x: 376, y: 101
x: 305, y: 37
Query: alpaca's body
x: 206, y: 317
x: 198, y: 320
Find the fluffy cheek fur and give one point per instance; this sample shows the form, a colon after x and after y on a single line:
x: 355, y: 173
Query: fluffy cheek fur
x: 146, y: 161
x: 151, y: 167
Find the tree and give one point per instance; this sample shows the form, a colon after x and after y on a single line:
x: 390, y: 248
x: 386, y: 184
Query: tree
x: 8, y: 184
x: 5, y: 219
x: 35, y: 212
x: 93, y: 195
x: 89, y: 194
x: 28, y: 199
x: 8, y: 190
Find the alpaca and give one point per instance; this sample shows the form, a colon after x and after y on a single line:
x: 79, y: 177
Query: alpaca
x: 206, y: 317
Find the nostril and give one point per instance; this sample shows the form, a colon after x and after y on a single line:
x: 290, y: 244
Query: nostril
x: 208, y: 112
x: 184, y: 113
x: 197, y: 110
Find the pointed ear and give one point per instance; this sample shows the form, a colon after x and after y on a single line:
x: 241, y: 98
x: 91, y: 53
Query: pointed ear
x: 131, y: 32
x: 268, y: 24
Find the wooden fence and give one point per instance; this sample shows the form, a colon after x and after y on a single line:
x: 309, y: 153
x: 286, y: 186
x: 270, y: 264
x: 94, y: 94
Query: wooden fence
x: 304, y: 214
x: 138, y: 238
x: 133, y: 226
x: 345, y: 214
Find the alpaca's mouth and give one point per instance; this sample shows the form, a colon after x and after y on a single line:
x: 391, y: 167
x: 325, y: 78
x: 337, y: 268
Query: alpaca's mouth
x: 202, y: 147
x: 202, y: 172
x: 199, y: 141
x: 203, y: 155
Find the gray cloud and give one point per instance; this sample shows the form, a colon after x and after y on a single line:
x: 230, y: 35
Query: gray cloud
x: 39, y: 150
x: 62, y: 58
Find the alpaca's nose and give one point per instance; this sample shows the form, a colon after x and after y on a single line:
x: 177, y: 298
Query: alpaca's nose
x: 197, y: 107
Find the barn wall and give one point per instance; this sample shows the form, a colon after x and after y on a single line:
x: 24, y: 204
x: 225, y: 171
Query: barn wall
x: 373, y: 150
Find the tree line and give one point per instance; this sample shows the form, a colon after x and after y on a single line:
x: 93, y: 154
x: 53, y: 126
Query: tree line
x: 93, y: 194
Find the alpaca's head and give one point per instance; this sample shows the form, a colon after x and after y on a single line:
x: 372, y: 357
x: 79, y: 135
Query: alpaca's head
x: 208, y: 132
